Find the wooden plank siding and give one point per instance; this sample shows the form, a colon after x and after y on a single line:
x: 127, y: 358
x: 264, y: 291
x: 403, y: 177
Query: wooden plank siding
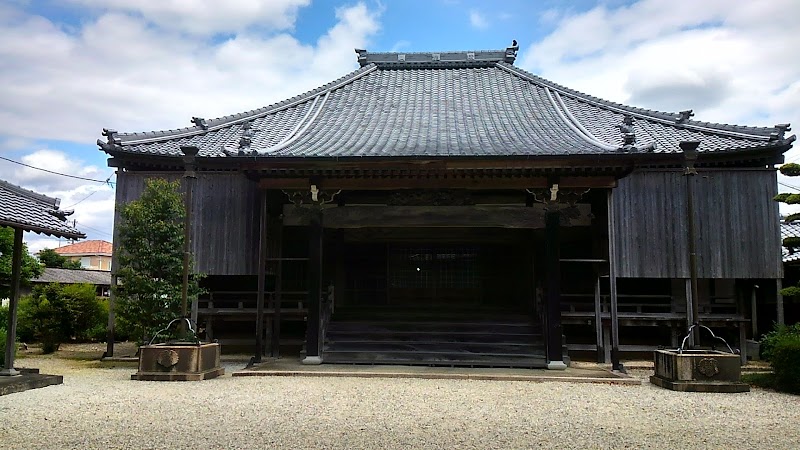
x: 735, y: 216
x: 225, y: 218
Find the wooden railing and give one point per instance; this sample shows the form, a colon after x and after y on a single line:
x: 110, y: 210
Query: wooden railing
x: 244, y: 303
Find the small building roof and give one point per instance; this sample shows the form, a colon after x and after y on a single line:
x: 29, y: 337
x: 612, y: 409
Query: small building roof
x: 86, y: 248
x: 791, y: 229
x: 444, y: 104
x: 21, y: 208
x: 74, y: 276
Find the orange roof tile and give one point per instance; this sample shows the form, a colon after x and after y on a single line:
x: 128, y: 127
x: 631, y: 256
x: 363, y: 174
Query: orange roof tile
x: 86, y: 248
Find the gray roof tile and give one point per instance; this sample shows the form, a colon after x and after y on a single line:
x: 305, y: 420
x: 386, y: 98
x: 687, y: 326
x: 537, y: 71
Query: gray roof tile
x: 21, y: 208
x: 790, y: 230
x: 74, y: 276
x: 455, y: 106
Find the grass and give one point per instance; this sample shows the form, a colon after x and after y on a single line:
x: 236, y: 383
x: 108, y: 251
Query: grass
x: 764, y: 380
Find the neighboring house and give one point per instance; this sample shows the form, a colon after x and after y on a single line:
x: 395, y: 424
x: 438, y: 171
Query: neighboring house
x: 461, y: 211
x: 100, y: 279
x: 93, y: 254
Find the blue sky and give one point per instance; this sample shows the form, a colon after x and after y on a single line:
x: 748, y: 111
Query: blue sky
x: 69, y: 68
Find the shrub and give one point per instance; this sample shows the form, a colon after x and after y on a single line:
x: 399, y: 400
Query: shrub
x: 3, y: 347
x: 781, y: 347
x: 785, y: 360
x: 53, y: 314
x: 770, y: 339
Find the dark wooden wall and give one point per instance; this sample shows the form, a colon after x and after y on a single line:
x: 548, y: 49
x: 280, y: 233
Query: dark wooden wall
x: 225, y: 218
x: 736, y: 224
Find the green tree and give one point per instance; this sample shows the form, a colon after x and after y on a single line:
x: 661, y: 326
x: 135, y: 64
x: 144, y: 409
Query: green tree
x: 30, y: 266
x: 150, y: 270
x: 50, y: 258
x: 790, y: 242
x: 56, y: 313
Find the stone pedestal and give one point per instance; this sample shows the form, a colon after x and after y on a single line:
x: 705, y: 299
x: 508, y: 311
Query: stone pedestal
x: 178, y: 362
x: 698, y: 371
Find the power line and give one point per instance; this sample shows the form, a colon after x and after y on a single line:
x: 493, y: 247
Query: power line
x: 90, y: 194
x: 789, y: 186
x: 93, y: 229
x: 106, y: 181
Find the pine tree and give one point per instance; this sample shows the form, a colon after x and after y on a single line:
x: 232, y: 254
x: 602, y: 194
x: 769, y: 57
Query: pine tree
x: 790, y: 242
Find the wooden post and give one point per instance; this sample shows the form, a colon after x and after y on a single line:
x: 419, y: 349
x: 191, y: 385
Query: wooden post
x: 612, y: 280
x: 598, y: 321
x: 314, y: 288
x: 779, y: 303
x: 189, y: 175
x: 278, y: 295
x: 341, y: 274
x: 112, y: 297
x: 555, y: 352
x: 11, y: 332
x: 754, y: 312
x: 262, y: 269
x: 689, y: 149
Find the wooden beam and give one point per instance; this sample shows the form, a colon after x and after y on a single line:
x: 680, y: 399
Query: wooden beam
x: 431, y: 216
x: 450, y: 181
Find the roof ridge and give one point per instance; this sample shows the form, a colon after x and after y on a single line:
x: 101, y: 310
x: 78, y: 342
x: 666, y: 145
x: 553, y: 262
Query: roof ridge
x: 41, y: 198
x: 222, y: 122
x: 650, y: 114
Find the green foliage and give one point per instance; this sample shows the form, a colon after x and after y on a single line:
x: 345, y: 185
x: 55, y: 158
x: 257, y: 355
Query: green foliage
x: 791, y: 292
x: 779, y: 333
x: 30, y: 266
x: 151, y: 260
x: 50, y: 258
x: 792, y: 199
x: 3, y: 347
x: 792, y: 217
x: 56, y: 313
x: 785, y: 360
x: 781, y: 347
x: 3, y: 316
x: 791, y: 241
x: 781, y: 197
x: 790, y: 169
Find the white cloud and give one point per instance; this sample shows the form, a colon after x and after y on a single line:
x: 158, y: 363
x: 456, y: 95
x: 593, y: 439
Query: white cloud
x: 124, y: 70
x: 208, y: 17
x: 478, y: 20
x: 119, y: 72
x: 729, y: 64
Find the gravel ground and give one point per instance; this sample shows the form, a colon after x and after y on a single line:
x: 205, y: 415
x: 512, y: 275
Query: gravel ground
x: 99, y: 407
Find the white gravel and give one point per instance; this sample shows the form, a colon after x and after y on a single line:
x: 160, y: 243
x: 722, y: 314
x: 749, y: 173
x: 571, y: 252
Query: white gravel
x: 101, y: 408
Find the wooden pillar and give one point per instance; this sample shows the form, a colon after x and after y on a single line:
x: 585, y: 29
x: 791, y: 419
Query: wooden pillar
x: 779, y: 303
x: 277, y: 299
x: 598, y: 321
x: 11, y: 331
x: 262, y: 274
x: 112, y: 297
x: 341, y: 273
x: 555, y: 353
x: 313, y: 355
x: 612, y: 280
x: 754, y: 312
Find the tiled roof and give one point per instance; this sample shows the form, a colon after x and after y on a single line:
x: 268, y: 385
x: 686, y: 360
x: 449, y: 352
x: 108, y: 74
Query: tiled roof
x: 444, y: 104
x: 790, y: 230
x: 85, y: 248
x: 74, y: 276
x: 21, y: 208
